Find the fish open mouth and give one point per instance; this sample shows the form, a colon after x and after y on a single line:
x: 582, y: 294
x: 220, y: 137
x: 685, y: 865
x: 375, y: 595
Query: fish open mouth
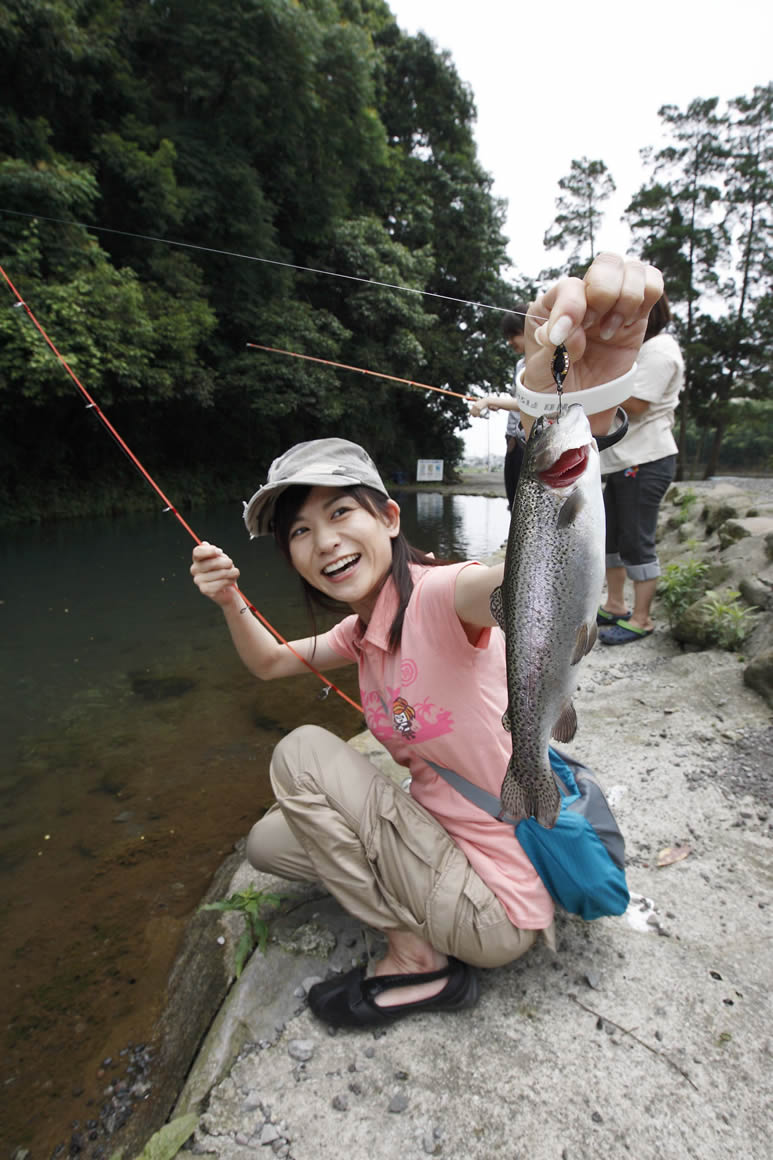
x: 567, y: 469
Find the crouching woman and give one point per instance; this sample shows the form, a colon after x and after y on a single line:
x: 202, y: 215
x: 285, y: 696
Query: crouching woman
x: 449, y: 886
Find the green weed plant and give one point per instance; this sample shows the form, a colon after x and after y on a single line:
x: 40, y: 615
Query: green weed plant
x: 681, y: 584
x: 729, y: 622
x: 250, y: 903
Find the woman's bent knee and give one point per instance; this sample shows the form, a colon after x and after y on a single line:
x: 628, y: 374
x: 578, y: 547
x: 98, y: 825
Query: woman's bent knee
x: 273, y: 848
x: 292, y: 753
x: 261, y: 845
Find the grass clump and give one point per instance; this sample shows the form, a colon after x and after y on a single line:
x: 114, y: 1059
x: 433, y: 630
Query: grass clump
x: 681, y: 584
x: 727, y: 621
x: 250, y: 903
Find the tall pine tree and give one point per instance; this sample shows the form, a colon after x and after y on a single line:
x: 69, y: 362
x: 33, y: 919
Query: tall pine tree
x: 576, y: 225
x: 676, y: 222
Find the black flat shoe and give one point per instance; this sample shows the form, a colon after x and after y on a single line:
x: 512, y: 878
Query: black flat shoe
x: 349, y: 1000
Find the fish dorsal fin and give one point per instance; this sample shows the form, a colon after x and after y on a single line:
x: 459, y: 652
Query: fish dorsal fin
x: 566, y: 725
x: 571, y: 508
x: 586, y: 638
x: 506, y: 720
x: 497, y: 607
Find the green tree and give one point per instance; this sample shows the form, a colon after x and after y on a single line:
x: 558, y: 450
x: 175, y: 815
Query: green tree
x: 305, y: 136
x: 439, y: 202
x: 744, y: 369
x: 135, y: 339
x: 676, y: 223
x: 576, y: 225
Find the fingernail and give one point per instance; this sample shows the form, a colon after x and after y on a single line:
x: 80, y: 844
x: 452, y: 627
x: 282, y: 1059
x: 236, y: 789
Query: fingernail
x: 612, y: 326
x: 541, y: 335
x: 561, y: 330
x: 590, y: 318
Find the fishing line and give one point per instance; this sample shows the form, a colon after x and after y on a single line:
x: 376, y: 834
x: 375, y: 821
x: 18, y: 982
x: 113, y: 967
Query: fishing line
x: 267, y: 261
x: 93, y: 406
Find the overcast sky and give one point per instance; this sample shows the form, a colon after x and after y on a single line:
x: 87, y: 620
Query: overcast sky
x: 563, y: 80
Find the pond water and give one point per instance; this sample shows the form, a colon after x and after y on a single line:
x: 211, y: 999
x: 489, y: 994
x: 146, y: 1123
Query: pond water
x: 135, y: 752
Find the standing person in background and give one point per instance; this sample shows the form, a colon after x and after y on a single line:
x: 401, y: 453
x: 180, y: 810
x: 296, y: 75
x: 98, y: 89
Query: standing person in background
x: 638, y: 471
x: 512, y: 332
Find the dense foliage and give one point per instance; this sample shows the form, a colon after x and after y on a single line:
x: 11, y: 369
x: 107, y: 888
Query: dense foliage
x: 705, y: 218
x: 305, y: 133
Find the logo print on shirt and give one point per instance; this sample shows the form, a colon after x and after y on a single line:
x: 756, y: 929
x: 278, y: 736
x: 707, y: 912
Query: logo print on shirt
x: 420, y: 722
x: 403, y: 716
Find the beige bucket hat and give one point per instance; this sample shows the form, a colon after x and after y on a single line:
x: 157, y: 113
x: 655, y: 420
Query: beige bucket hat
x: 318, y: 463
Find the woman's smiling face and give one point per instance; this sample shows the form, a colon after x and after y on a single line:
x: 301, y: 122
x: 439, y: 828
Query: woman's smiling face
x: 341, y: 548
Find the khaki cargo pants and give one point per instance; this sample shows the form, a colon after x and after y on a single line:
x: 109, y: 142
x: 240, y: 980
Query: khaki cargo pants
x: 379, y: 853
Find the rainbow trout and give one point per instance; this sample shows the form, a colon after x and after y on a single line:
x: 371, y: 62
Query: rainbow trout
x: 547, y: 602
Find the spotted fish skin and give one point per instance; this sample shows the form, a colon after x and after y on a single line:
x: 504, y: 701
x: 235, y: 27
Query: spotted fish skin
x: 547, y: 602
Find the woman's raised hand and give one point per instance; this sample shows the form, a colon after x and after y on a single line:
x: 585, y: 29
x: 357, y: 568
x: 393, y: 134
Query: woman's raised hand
x: 215, y: 574
x: 601, y: 320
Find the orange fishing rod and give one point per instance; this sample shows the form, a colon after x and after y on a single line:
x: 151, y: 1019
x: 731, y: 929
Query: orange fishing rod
x: 363, y: 371
x: 93, y: 405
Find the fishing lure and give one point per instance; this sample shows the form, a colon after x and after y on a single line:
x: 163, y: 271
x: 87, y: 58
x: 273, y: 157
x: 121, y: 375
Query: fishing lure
x: 559, y: 368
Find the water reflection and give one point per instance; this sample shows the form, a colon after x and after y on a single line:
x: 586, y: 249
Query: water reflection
x: 135, y: 751
x: 457, y: 526
x: 429, y: 506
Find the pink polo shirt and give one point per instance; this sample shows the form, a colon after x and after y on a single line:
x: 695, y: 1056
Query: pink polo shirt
x: 441, y: 699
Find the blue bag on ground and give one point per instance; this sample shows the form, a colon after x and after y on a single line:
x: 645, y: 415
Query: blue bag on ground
x: 581, y: 859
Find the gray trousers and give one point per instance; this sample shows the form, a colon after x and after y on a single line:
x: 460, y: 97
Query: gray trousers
x: 379, y: 853
x: 631, y: 505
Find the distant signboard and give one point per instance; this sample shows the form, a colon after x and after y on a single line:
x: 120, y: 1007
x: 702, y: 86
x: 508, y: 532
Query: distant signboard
x: 429, y: 470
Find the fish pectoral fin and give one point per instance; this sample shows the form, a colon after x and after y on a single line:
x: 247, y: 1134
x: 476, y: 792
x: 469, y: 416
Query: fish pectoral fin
x: 586, y: 638
x: 566, y: 725
x: 496, y: 604
x: 571, y: 509
x: 506, y: 720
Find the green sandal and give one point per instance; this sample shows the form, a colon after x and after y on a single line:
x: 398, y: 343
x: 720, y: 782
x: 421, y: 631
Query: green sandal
x: 603, y: 617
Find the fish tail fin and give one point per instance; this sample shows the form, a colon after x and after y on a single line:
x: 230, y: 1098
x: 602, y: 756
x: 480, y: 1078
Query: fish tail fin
x: 541, y: 801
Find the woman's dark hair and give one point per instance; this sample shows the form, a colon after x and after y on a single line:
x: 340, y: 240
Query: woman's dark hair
x: 512, y: 323
x: 403, y: 554
x: 659, y: 318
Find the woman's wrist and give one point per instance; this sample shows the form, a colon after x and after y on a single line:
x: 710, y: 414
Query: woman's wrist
x: 231, y: 601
